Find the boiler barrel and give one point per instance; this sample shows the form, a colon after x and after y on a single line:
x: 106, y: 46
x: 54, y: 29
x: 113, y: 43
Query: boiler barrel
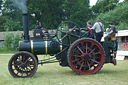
x: 40, y: 47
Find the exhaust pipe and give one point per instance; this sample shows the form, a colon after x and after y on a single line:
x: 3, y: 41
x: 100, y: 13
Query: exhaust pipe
x: 25, y: 27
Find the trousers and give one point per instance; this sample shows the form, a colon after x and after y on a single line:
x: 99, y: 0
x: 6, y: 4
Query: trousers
x: 107, y: 38
x: 99, y: 36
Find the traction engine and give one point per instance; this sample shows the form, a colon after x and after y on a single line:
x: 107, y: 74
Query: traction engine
x: 70, y: 46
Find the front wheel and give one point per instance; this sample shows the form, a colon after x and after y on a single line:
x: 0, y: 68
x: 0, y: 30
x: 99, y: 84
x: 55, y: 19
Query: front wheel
x: 22, y: 65
x: 85, y: 56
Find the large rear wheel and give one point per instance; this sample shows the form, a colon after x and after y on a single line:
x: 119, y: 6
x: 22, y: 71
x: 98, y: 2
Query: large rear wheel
x: 85, y: 56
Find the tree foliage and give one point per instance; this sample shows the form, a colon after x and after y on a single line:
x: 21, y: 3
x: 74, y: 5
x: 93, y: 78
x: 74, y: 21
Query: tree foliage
x: 11, y: 25
x: 8, y: 39
x: 11, y: 18
x: 52, y: 12
x: 78, y: 11
x: 1, y: 2
x: 2, y: 21
x: 118, y: 16
x: 16, y: 40
x: 103, y: 6
x: 48, y: 12
x: 11, y: 40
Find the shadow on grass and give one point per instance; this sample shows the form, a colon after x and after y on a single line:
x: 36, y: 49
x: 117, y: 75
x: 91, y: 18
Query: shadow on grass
x: 114, y: 71
x: 62, y: 72
x: 69, y: 72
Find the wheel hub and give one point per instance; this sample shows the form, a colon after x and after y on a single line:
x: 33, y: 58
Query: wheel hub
x: 86, y: 57
x: 69, y: 33
x: 23, y: 65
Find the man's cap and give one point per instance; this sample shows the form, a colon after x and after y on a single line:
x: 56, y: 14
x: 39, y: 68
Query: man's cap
x: 99, y: 19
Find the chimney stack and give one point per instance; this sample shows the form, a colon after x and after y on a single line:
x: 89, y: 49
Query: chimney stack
x: 25, y: 27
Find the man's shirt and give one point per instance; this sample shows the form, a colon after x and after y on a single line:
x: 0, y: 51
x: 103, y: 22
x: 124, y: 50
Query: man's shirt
x: 98, y: 27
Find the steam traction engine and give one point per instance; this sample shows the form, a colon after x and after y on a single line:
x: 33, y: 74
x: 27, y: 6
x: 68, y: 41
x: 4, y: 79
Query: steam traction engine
x: 70, y: 46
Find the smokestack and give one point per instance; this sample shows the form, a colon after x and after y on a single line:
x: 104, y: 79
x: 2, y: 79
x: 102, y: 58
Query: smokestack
x: 25, y: 27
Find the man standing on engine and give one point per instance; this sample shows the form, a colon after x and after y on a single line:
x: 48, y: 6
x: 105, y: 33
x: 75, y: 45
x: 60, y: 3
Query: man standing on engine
x: 99, y: 30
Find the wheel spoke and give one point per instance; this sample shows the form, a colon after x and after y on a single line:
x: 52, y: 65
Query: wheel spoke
x: 92, y: 50
x: 81, y: 66
x: 20, y: 60
x: 92, y: 64
x: 23, y: 58
x: 78, y: 62
x: 86, y: 47
x: 85, y: 66
x: 96, y: 57
x: 77, y: 56
x: 75, y: 60
x: 27, y: 60
x: 62, y: 31
x: 96, y: 53
x: 69, y: 39
x: 76, y: 52
x: 75, y: 35
x: 26, y: 73
x: 15, y: 64
x: 89, y: 66
x: 22, y: 73
x: 95, y: 61
x: 63, y: 37
x: 67, y: 27
x: 30, y: 63
x: 82, y: 46
x: 91, y: 47
x: 73, y: 28
x: 80, y: 50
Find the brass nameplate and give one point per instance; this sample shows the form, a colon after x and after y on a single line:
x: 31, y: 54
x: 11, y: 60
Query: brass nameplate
x: 37, y: 34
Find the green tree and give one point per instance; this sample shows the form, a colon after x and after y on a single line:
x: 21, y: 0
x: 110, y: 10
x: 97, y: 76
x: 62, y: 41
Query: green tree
x: 16, y: 40
x: 126, y: 0
x: 2, y: 21
x: 10, y: 10
x: 11, y: 25
x: 77, y: 10
x: 118, y: 16
x: 11, y: 17
x: 52, y: 12
x: 8, y: 39
x: 48, y: 12
x: 11, y: 40
x: 103, y: 6
x: 1, y: 4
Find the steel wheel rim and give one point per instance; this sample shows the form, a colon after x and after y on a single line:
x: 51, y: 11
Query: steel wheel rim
x: 86, y: 60
x: 22, y: 68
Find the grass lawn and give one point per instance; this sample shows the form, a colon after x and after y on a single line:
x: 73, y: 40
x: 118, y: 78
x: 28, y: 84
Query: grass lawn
x: 53, y: 74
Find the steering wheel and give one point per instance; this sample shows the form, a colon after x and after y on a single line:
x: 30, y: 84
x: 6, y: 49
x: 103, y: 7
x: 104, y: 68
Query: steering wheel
x: 68, y: 32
